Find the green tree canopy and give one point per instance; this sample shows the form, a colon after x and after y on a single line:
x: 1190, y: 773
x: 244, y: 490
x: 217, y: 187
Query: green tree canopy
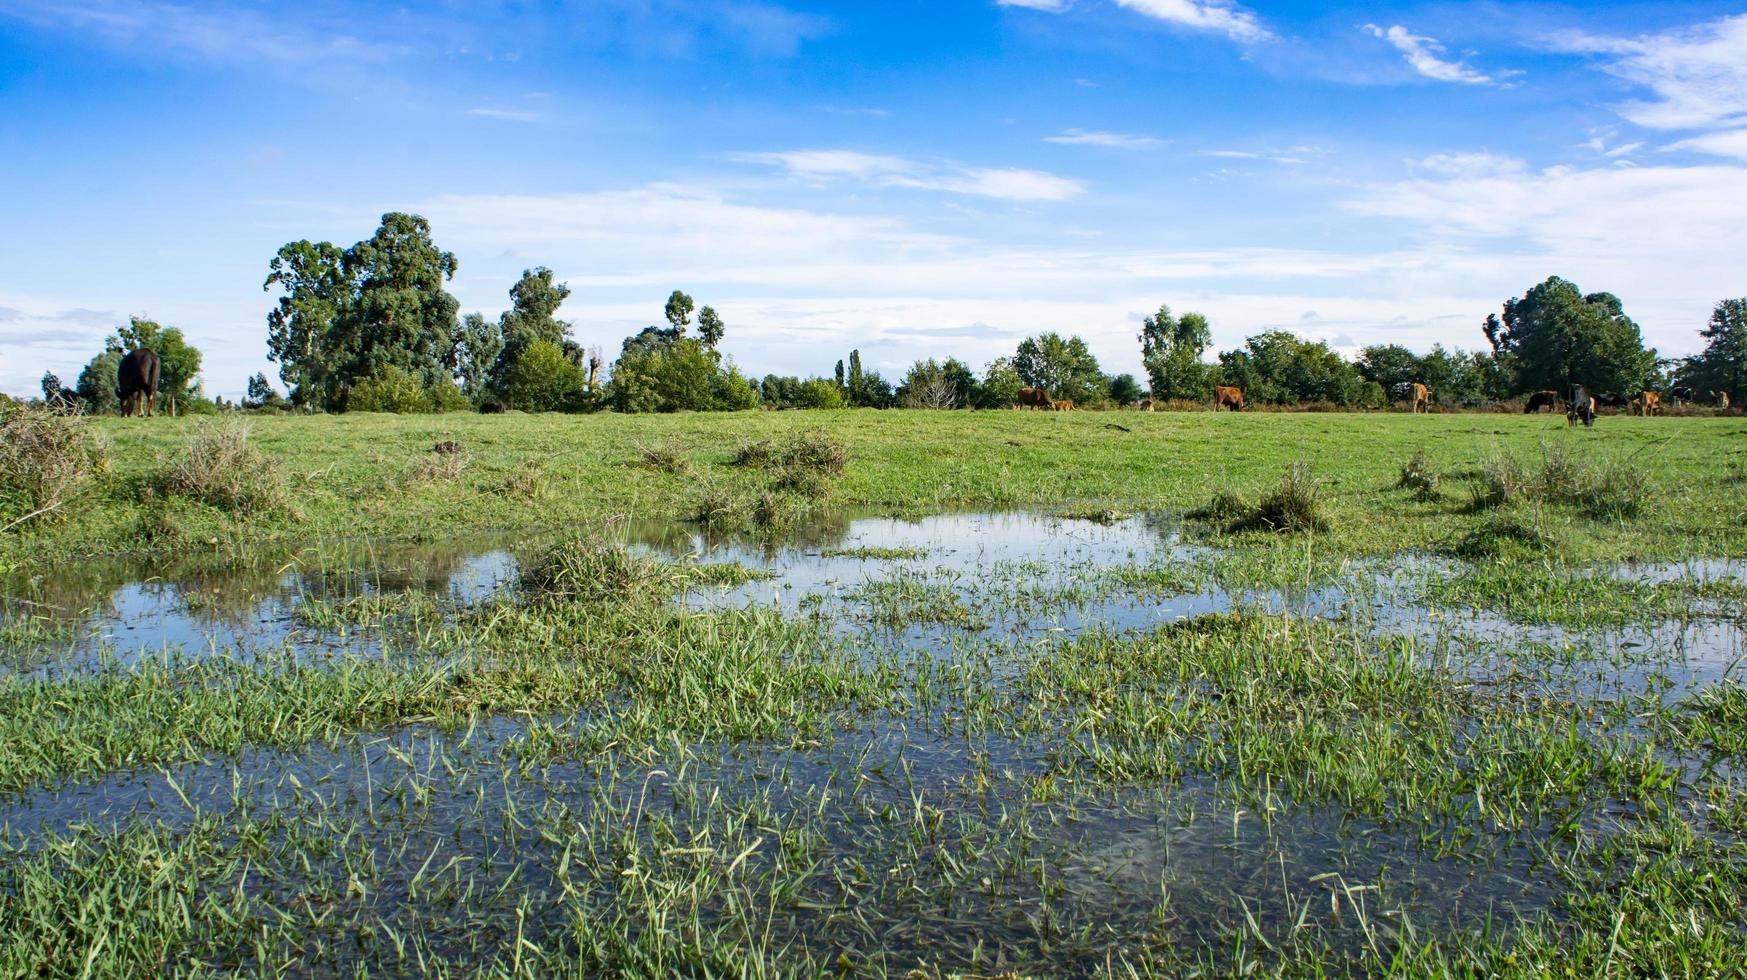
x: 1280, y: 367
x: 344, y: 316
x: 1557, y: 336
x: 1063, y: 367
x: 179, y: 361
x: 97, y: 382
x: 1722, y: 365
x: 545, y: 379
x: 1170, y: 350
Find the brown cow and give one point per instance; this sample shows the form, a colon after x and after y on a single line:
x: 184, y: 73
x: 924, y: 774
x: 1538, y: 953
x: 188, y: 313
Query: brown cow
x: 1722, y: 398
x: 1545, y: 399
x: 1226, y: 396
x: 1146, y: 405
x: 1647, y: 403
x: 1422, y: 398
x: 1063, y: 405
x: 1032, y: 398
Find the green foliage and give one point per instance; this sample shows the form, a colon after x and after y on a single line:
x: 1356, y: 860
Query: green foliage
x: 865, y: 389
x: 390, y: 389
x: 1063, y: 367
x: 531, y: 318
x: 97, y: 383
x: 710, y: 327
x: 672, y: 376
x: 1558, y: 336
x: 1170, y: 350
x: 1722, y: 365
x: 733, y: 391
x: 345, y: 316
x: 477, y: 350
x: 819, y: 393
x: 1001, y: 384
x: 930, y: 384
x: 678, y: 311
x: 543, y: 379
x: 178, y: 378
x: 446, y: 396
x: 1124, y: 390
x: 261, y: 393
x: 1281, y: 367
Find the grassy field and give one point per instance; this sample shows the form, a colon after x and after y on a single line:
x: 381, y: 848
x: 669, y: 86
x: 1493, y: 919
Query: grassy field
x: 1386, y: 702
x: 374, y: 474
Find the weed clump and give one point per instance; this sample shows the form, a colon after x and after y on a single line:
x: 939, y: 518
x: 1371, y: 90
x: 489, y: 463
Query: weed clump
x: 1504, y: 532
x: 817, y: 451
x: 1225, y: 507
x: 1418, y: 476
x: 583, y: 571
x: 443, y: 464
x: 46, y: 459
x: 663, y: 458
x: 530, y: 482
x: 756, y: 455
x: 1605, y: 490
x: 579, y: 570
x: 223, y: 470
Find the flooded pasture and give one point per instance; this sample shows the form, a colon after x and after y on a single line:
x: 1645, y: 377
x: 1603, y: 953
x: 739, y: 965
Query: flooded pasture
x: 983, y: 741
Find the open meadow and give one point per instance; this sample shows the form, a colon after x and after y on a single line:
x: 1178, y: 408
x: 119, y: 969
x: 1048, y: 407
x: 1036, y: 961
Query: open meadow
x: 920, y: 693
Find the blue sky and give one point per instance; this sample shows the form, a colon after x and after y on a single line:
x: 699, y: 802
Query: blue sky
x: 910, y: 178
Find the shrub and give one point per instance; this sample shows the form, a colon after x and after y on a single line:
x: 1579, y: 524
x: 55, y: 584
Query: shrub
x: 1296, y: 505
x: 664, y: 458
x: 389, y: 389
x: 223, y: 470
x: 818, y: 451
x: 46, y: 459
x: 756, y: 454
x: 733, y: 392
x: 1417, y: 475
x: 544, y: 379
x: 446, y: 396
x: 583, y: 571
x: 819, y: 393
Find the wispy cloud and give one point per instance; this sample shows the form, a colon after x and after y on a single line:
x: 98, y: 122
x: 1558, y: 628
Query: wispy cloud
x: 224, y: 34
x: 1204, y: 15
x: 1291, y: 155
x: 1698, y: 74
x: 1052, y: 6
x: 878, y: 170
x: 1427, y: 57
x: 1115, y: 141
x: 509, y: 115
x: 1732, y: 143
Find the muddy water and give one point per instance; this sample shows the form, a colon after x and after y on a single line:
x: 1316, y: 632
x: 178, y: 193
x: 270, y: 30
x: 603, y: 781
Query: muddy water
x: 1046, y: 871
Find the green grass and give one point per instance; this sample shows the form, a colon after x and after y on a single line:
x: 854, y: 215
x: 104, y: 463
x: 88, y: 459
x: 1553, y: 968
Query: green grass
x: 580, y: 776
x: 344, y: 475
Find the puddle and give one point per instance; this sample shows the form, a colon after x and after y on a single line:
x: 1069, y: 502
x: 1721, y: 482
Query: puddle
x: 893, y: 842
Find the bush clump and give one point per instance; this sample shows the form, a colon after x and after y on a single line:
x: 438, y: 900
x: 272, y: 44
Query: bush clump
x: 223, y: 470
x: 1418, y: 476
x: 46, y: 459
x: 583, y: 571
x: 1605, y: 489
x: 756, y: 455
x: 1296, y: 505
x: 389, y: 389
x: 817, y: 451
x: 664, y: 458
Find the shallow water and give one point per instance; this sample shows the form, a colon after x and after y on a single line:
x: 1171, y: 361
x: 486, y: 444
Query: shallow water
x: 922, y: 834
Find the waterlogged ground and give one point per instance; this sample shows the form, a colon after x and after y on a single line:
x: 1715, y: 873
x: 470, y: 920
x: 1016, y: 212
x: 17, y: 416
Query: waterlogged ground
x: 1028, y: 742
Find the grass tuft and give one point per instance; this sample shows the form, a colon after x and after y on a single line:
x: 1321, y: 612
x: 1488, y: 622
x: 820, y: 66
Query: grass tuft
x: 222, y: 469
x: 46, y: 459
x: 662, y: 457
x: 1418, y: 476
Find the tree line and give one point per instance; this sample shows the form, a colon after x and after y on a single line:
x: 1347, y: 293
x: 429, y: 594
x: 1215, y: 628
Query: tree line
x: 372, y: 327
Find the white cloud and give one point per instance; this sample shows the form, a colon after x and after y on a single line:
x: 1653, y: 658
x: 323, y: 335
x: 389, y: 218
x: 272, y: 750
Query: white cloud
x: 878, y: 170
x: 508, y: 115
x: 1050, y: 6
x: 1425, y: 55
x: 231, y: 35
x: 1698, y: 74
x: 1289, y: 155
x: 1726, y: 144
x: 1116, y: 141
x: 1205, y: 15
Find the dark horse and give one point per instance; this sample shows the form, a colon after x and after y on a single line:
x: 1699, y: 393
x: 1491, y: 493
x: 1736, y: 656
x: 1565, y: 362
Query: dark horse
x: 1540, y: 400
x: 136, y: 382
x: 1581, y: 407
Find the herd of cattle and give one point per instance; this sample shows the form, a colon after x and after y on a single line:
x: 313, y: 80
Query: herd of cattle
x: 1580, y: 406
x: 136, y: 385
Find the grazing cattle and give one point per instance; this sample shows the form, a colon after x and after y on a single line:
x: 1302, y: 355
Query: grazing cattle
x: 1145, y: 405
x: 1033, y: 398
x: 1062, y: 405
x: 1680, y: 395
x: 136, y: 382
x: 1647, y: 403
x: 1546, y: 399
x: 1580, y: 408
x: 1422, y: 398
x: 1225, y: 396
x: 491, y: 408
x: 1612, y: 399
x: 1722, y: 398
